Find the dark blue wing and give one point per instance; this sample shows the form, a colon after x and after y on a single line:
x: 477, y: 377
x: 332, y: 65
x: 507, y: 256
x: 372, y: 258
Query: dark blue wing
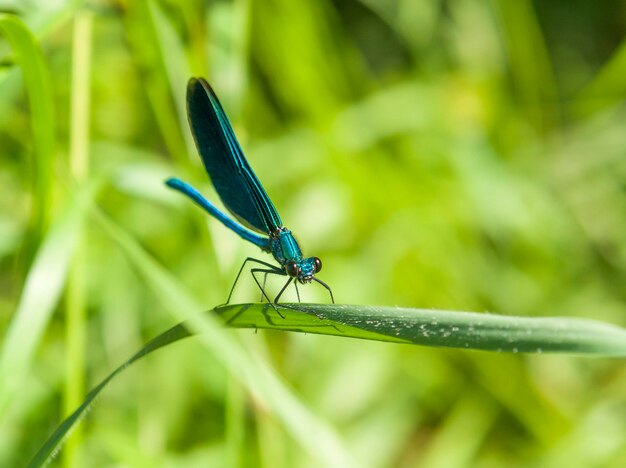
x: 233, y: 178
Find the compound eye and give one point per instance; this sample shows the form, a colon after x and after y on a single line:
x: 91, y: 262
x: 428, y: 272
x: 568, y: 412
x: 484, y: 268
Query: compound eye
x: 293, y: 269
x: 318, y: 264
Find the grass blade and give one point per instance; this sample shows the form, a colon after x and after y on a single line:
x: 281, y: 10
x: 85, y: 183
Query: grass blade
x: 39, y: 91
x: 54, y: 441
x: 468, y: 330
x: 76, y: 333
x: 43, y: 287
x: 399, y: 325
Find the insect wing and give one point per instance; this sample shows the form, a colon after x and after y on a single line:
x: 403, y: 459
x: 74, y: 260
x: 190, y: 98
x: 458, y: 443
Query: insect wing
x: 233, y: 178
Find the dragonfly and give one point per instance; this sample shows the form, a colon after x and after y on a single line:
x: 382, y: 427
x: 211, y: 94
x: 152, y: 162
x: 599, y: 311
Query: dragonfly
x: 256, y: 218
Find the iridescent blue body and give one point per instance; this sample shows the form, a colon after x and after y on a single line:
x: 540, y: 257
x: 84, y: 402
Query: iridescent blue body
x: 285, y: 249
x: 241, y: 192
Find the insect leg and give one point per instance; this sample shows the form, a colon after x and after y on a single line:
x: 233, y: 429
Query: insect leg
x: 283, y: 290
x: 327, y: 288
x: 249, y: 259
x: 275, y: 271
x: 295, y: 283
x: 264, y: 282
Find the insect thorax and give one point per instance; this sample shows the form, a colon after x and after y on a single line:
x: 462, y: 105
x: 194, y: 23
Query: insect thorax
x: 284, y: 246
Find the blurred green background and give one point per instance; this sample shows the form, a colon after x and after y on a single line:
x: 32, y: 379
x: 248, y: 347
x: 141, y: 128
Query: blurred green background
x: 462, y: 155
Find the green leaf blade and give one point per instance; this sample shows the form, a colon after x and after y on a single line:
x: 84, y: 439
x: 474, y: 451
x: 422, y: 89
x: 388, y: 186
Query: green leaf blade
x: 467, y: 330
x: 439, y: 328
x: 38, y: 87
x: 53, y: 444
